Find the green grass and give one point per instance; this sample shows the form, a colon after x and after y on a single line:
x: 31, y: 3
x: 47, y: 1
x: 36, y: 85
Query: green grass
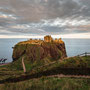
x: 49, y: 83
x: 15, y: 71
x: 76, y: 63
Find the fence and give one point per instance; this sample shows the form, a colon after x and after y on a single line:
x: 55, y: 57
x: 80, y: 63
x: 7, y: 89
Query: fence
x: 2, y: 61
x: 84, y: 54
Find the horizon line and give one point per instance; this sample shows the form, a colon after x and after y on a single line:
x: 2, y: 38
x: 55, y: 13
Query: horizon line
x: 76, y: 36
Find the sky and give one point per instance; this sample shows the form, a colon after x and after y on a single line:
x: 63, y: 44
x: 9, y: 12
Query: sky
x: 36, y: 18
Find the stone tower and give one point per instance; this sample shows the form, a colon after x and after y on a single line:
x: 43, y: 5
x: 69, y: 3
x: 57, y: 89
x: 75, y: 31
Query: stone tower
x: 48, y: 38
x: 60, y: 40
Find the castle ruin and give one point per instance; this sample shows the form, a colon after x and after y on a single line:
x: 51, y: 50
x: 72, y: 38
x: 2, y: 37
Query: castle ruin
x: 47, y: 39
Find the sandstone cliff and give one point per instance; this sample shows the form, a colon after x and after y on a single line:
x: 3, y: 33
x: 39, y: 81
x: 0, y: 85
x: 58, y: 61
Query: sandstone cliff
x: 36, y: 50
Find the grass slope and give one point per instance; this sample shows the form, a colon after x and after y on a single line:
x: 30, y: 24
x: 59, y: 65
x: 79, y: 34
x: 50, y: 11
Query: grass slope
x: 49, y: 83
x: 14, y: 71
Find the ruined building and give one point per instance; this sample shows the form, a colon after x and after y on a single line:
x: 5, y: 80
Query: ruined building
x: 47, y: 39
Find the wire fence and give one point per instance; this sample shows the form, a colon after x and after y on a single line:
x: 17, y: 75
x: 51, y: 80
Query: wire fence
x: 2, y: 61
x: 84, y: 54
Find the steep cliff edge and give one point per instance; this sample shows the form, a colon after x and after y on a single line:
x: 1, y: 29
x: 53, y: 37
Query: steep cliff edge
x: 37, y: 50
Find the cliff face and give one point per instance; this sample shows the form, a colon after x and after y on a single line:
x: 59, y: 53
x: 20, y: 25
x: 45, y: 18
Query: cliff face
x: 35, y: 50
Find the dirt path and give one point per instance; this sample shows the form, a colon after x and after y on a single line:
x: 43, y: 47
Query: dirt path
x: 71, y: 76
x: 4, y: 64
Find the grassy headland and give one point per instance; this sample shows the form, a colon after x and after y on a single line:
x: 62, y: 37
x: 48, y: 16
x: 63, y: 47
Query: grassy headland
x: 71, y: 66
x: 43, y: 60
x: 12, y: 76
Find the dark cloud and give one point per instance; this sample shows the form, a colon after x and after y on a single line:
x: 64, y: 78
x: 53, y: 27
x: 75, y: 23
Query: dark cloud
x: 25, y: 16
x: 57, y: 8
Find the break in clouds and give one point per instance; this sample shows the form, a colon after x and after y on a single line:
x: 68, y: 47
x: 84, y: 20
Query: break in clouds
x: 40, y: 17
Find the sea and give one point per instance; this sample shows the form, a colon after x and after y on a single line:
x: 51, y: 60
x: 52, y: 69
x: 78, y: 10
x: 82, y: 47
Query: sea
x: 73, y: 47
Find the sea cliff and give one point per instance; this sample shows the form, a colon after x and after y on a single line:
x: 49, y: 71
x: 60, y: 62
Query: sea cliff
x: 36, y: 50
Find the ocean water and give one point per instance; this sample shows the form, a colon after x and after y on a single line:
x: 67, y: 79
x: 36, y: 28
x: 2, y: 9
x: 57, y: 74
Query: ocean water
x: 77, y: 46
x: 73, y: 47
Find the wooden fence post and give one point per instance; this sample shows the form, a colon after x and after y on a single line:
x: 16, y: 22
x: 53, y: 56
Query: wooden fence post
x: 85, y: 53
x: 24, y: 68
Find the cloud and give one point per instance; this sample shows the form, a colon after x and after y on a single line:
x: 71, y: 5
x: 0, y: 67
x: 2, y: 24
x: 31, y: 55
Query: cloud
x: 52, y: 26
x: 7, y: 16
x: 44, y: 17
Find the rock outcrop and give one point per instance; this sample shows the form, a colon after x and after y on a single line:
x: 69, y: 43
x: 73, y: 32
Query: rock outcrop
x: 34, y: 50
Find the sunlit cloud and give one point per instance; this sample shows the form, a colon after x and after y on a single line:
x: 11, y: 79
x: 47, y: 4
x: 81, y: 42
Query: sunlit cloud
x: 7, y: 16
